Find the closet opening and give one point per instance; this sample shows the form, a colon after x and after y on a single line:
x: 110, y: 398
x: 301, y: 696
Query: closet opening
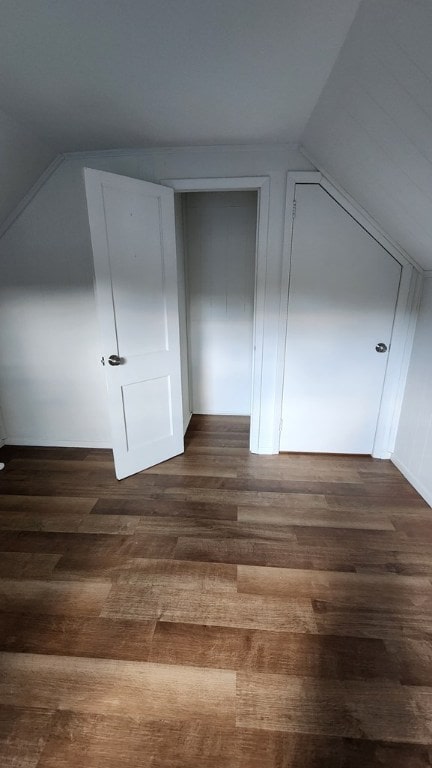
x: 216, y: 236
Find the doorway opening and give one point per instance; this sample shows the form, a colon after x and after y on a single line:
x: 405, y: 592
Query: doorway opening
x: 216, y: 253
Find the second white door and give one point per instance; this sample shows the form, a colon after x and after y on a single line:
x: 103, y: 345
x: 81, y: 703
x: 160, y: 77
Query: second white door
x: 343, y: 292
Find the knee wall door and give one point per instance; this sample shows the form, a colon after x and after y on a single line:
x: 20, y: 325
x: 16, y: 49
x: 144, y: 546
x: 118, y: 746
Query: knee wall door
x: 342, y: 299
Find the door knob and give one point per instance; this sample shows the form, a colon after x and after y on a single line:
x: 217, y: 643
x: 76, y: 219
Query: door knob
x: 115, y: 360
x: 381, y: 347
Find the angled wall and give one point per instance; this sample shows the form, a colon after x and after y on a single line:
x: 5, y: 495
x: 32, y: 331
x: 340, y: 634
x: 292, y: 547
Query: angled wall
x: 413, y: 453
x: 51, y: 389
x: 372, y: 127
x: 23, y: 157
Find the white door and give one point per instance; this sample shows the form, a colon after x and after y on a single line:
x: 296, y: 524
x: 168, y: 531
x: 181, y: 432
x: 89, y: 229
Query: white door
x: 133, y: 238
x: 342, y: 300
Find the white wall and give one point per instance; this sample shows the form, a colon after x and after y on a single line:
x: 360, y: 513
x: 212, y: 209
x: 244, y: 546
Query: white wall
x: 221, y: 237
x: 413, y: 452
x: 51, y: 381
x: 2, y: 429
x: 371, y: 129
x: 23, y: 157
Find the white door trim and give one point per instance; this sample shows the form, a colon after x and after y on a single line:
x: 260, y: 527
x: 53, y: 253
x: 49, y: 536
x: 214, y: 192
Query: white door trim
x: 260, y: 184
x: 372, y: 224
x: 3, y: 436
x: 405, y: 315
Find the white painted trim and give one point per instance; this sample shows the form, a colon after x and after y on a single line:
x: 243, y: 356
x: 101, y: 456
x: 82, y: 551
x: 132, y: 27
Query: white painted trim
x: 261, y: 184
x: 126, y: 152
x: 266, y: 450
x: 405, y: 314
x: 361, y: 214
x: 355, y: 210
x: 32, y: 192
x: 293, y: 178
x: 367, y: 222
x: 419, y: 487
x: 44, y: 443
x: 186, y: 421
x: 217, y: 184
x: 303, y: 177
x: 187, y: 294
x: 3, y: 432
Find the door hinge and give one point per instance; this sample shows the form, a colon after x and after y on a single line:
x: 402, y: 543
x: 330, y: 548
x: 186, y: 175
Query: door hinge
x: 294, y: 209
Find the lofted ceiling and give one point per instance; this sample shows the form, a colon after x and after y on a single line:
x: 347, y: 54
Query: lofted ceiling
x: 350, y: 80
x: 95, y: 74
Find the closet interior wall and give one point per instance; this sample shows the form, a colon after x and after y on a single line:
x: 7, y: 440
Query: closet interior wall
x: 217, y: 276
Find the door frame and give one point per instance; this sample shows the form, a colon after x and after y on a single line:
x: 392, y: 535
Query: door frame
x: 406, y: 306
x: 261, y: 185
x: 3, y: 436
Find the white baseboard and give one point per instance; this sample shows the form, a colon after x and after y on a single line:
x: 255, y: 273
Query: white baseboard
x: 264, y: 450
x: 419, y: 487
x: 385, y: 455
x: 186, y: 421
x: 38, y: 443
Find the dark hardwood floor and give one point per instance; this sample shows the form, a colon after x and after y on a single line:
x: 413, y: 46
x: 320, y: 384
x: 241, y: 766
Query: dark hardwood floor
x: 221, y: 610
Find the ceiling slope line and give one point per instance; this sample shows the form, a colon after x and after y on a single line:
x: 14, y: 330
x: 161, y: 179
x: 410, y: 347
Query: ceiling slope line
x: 151, y: 150
x: 40, y: 182
x: 365, y: 213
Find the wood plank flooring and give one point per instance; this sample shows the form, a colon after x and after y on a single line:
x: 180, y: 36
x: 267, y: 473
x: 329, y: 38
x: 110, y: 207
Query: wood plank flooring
x: 221, y: 610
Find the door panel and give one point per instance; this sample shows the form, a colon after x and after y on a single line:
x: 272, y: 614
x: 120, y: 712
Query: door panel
x: 133, y: 239
x: 141, y: 267
x: 342, y: 300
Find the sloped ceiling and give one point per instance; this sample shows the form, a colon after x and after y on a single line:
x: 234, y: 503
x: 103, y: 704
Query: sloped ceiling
x: 23, y: 157
x: 372, y: 127
x: 80, y: 75
x: 95, y: 74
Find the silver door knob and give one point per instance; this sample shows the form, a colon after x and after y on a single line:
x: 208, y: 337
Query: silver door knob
x: 381, y: 347
x: 115, y: 360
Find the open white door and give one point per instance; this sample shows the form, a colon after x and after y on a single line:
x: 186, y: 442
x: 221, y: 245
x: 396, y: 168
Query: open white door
x: 133, y: 237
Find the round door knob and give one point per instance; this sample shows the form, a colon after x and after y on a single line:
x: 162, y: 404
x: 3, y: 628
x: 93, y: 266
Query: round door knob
x: 115, y: 360
x: 381, y: 347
